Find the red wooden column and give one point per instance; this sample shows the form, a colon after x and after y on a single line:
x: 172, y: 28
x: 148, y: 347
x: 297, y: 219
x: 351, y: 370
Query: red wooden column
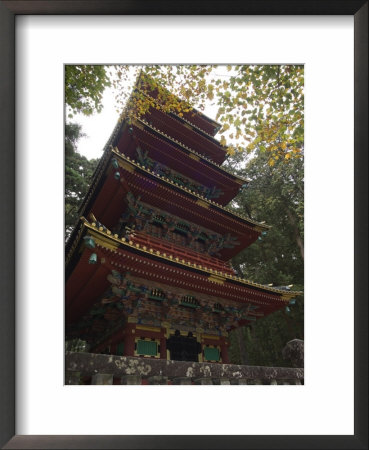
x: 163, y: 346
x: 129, y: 340
x: 224, y: 350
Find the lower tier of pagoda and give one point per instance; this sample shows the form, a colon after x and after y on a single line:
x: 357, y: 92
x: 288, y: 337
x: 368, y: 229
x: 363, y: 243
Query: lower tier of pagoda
x: 116, y: 287
x: 140, y: 239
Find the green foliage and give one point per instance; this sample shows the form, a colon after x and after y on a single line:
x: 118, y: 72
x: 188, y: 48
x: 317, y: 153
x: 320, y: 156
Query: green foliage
x: 237, y: 351
x: 269, y: 335
x: 84, y: 87
x: 264, y: 106
x: 73, y: 132
x: 78, y: 173
x: 260, y: 106
x: 234, y: 349
x: 275, y: 195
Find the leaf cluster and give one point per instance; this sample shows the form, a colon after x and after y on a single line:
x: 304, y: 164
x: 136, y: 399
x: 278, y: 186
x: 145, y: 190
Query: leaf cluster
x: 259, y: 106
x: 84, y: 87
x: 263, y: 105
x: 78, y: 174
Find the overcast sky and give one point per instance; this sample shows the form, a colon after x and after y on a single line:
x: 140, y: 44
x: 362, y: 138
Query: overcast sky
x: 97, y: 127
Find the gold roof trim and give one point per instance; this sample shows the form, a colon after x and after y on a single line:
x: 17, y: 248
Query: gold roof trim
x: 285, y: 295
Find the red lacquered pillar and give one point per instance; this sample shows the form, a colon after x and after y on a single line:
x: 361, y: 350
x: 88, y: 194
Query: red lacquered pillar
x: 163, y: 347
x: 129, y: 341
x: 224, y: 351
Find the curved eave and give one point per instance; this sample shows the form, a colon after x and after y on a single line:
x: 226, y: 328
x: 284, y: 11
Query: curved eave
x: 195, y: 117
x: 96, y: 179
x: 186, y: 133
x: 110, y: 241
x: 200, y: 200
x: 114, y: 139
x: 101, y: 166
x: 215, y: 125
x: 187, y: 149
x: 177, y: 160
x: 106, y: 195
x: 195, y: 128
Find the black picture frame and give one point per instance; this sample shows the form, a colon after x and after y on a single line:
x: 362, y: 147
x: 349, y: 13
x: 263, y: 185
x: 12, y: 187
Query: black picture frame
x: 8, y: 11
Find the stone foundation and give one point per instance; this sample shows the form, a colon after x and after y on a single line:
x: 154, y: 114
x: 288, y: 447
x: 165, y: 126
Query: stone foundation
x: 91, y: 368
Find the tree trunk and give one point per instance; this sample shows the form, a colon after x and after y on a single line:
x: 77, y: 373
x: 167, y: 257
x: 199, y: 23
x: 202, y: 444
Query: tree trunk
x: 296, y: 232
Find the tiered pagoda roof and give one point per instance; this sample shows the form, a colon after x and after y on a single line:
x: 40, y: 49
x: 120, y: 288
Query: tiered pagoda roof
x: 107, y: 196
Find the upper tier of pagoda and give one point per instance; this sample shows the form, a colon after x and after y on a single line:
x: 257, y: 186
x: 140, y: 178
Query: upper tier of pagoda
x: 182, y: 130
x: 194, y: 117
x: 161, y: 168
x: 162, y: 153
x: 118, y: 175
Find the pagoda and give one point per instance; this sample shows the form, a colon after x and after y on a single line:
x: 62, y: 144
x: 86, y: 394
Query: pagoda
x: 147, y: 266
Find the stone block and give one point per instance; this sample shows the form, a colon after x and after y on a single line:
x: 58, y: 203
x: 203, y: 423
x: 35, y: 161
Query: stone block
x: 130, y: 379
x: 182, y: 380
x: 204, y: 381
x: 102, y: 378
x: 238, y: 381
x: 222, y: 381
x: 158, y: 379
x: 72, y: 377
x: 255, y: 381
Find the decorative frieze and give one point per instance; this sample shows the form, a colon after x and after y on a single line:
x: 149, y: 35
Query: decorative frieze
x: 153, y: 221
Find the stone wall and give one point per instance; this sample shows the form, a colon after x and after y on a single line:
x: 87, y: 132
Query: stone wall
x: 90, y: 368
